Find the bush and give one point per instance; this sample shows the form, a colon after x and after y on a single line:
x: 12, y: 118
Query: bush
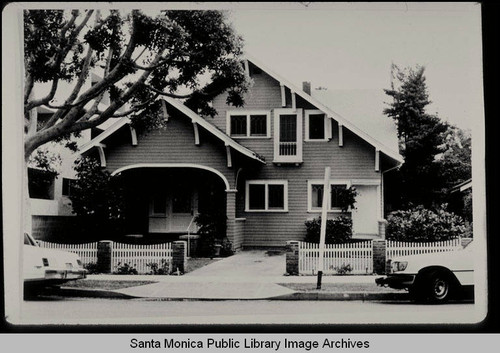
x: 125, y: 269
x: 338, y: 230
x: 92, y: 268
x: 421, y: 225
x: 212, y: 231
x: 163, y: 268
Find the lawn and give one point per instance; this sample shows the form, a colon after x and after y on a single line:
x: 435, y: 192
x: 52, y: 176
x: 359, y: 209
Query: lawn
x: 104, y: 284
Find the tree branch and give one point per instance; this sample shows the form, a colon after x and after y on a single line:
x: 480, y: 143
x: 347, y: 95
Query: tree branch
x: 172, y: 95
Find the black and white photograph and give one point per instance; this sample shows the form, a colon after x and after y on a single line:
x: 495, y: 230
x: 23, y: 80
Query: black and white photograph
x: 272, y: 164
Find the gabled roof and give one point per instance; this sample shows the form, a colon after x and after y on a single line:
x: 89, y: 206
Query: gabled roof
x: 228, y: 141
x: 331, y: 114
x: 195, y: 118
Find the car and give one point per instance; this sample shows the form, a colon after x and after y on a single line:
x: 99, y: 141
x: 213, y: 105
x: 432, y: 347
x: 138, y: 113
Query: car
x: 44, y: 267
x: 433, y: 277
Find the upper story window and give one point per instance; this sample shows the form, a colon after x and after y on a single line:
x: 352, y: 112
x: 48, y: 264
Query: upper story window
x: 317, y: 126
x: 288, y: 135
x: 266, y: 196
x: 249, y: 124
x: 315, y: 195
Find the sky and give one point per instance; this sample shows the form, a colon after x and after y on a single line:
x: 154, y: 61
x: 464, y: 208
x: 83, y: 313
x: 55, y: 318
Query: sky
x: 351, y: 46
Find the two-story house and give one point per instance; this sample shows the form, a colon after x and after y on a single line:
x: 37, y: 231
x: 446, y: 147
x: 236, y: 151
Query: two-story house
x: 262, y: 165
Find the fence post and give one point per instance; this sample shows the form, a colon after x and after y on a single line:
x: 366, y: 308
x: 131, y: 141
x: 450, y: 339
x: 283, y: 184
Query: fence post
x: 104, y: 256
x: 179, y: 255
x: 379, y: 260
x: 292, y: 257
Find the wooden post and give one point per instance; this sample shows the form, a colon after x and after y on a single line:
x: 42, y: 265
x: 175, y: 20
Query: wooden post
x: 324, y: 215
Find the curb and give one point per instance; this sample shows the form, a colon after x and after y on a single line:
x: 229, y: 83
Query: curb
x: 359, y: 296
x: 92, y: 293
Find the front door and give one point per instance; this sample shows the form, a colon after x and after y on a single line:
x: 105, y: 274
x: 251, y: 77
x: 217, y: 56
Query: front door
x: 172, y: 211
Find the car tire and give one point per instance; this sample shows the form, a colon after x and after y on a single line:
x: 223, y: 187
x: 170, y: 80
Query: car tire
x: 438, y: 287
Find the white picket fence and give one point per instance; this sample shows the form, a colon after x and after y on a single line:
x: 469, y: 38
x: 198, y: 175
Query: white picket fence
x: 139, y: 256
x: 87, y: 251
x: 398, y: 248
x: 359, y: 256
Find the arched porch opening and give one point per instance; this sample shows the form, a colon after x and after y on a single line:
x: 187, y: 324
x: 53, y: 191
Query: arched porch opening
x: 162, y: 202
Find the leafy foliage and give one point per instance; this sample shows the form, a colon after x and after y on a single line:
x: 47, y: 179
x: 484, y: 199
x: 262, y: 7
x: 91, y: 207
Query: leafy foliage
x: 212, y: 231
x: 421, y: 224
x: 347, y: 198
x: 188, y: 55
x: 97, y: 199
x: 125, y: 269
x: 162, y: 268
x: 430, y: 147
x: 338, y: 230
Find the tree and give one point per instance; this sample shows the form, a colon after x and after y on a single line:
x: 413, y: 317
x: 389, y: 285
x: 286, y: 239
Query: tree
x: 140, y: 59
x: 421, y: 138
x: 97, y: 199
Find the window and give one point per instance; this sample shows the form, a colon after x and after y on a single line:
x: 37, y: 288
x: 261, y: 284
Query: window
x: 288, y: 135
x: 159, y: 204
x: 317, y: 126
x: 41, y: 184
x: 249, y: 124
x: 266, y: 196
x: 315, y: 194
x: 67, y: 184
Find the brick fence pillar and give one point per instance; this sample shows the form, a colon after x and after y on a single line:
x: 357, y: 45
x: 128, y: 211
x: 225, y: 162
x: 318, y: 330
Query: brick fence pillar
x: 292, y: 257
x: 465, y: 241
x: 104, y: 256
x: 382, y: 226
x: 179, y: 255
x: 379, y: 260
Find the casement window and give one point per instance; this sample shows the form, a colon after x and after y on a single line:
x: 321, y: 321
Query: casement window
x: 288, y: 135
x: 67, y: 185
x: 266, y: 196
x: 315, y: 194
x: 249, y: 124
x: 318, y: 126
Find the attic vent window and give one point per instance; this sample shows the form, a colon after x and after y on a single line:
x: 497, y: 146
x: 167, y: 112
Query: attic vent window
x: 316, y: 126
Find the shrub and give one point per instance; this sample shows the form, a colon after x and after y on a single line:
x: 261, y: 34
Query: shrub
x: 163, y: 268
x: 344, y: 269
x: 338, y: 230
x: 125, y: 269
x: 212, y: 230
x: 421, y: 225
x: 91, y: 268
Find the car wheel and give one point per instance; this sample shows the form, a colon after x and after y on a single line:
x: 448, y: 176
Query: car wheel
x: 438, y: 287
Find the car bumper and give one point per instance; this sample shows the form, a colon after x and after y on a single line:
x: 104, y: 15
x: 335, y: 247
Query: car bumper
x: 396, y: 281
x: 54, y: 274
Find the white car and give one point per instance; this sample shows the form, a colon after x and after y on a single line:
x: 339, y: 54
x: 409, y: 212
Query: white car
x: 433, y: 277
x: 47, y: 267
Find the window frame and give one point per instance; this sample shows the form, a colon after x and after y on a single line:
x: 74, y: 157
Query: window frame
x: 327, y: 125
x: 248, y: 114
x: 310, y: 183
x: 152, y: 212
x: 299, y: 113
x: 266, y: 182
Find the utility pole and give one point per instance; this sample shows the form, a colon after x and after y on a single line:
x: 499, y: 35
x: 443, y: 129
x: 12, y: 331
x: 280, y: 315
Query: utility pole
x: 324, y: 215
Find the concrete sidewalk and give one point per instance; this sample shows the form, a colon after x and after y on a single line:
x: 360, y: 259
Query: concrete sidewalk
x: 248, y: 275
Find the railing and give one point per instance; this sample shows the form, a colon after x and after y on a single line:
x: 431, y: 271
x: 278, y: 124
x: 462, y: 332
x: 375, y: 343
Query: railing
x: 398, y: 248
x: 140, y: 256
x: 87, y: 251
x: 189, y: 236
x: 288, y: 148
x: 358, y: 257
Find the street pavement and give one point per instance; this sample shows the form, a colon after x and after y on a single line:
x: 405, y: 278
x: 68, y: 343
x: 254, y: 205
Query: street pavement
x: 247, y: 275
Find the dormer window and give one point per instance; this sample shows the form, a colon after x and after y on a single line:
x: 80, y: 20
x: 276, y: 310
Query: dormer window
x: 249, y: 124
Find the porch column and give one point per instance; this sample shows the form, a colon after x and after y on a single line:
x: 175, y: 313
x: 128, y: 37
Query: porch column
x: 231, y: 219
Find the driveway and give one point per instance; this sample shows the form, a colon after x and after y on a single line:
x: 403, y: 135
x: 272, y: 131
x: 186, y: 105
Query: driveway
x: 251, y: 263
